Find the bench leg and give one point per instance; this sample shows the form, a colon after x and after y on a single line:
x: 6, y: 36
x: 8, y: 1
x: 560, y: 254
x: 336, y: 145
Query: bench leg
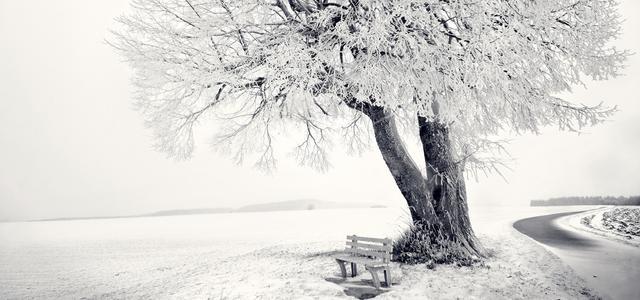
x: 354, y: 270
x: 387, y: 276
x: 374, y: 275
x: 343, y: 269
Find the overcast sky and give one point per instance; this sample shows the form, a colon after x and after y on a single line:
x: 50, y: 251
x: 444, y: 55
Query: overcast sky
x: 71, y: 144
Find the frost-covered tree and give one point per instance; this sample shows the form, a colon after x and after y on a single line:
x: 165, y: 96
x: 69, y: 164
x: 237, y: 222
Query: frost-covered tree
x: 454, y: 72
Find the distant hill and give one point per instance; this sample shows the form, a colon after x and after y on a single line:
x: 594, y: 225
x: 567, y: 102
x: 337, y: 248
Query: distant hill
x: 591, y: 200
x: 301, y: 204
x: 195, y: 211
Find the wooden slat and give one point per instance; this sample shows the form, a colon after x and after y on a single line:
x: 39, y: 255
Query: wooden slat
x: 386, y: 248
x: 360, y: 260
x: 359, y: 251
x: 369, y: 239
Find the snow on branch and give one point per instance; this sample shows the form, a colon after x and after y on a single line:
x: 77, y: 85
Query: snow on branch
x: 313, y: 65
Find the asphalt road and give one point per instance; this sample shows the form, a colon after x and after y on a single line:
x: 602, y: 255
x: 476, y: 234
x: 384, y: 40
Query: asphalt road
x: 543, y: 230
x: 610, y: 267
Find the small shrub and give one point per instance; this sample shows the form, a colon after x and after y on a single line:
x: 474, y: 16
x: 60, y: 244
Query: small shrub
x: 587, y: 220
x: 422, y: 245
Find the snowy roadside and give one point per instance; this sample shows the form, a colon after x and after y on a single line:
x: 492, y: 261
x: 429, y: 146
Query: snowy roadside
x: 593, y: 221
x: 518, y: 269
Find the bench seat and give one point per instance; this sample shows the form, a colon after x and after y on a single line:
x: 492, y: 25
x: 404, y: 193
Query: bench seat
x: 360, y: 260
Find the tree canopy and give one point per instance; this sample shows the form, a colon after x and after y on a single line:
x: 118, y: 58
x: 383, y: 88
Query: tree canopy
x: 309, y: 67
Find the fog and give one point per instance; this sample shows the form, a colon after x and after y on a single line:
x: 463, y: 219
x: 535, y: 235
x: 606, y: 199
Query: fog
x: 71, y: 145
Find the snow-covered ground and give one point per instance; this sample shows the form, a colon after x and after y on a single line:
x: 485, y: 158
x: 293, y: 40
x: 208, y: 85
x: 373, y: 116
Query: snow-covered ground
x: 263, y: 255
x: 621, y: 224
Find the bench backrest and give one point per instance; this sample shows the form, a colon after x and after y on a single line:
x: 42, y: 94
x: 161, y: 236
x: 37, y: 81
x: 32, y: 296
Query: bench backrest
x: 369, y: 247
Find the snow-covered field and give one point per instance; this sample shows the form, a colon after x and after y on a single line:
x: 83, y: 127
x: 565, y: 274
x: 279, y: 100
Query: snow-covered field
x: 616, y: 223
x: 262, y: 255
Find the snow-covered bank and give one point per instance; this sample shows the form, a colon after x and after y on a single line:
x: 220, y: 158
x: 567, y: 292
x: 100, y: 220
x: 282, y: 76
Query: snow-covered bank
x: 620, y: 224
x: 282, y: 255
x: 519, y: 270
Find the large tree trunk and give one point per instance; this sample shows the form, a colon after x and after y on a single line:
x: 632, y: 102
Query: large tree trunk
x: 446, y: 185
x: 407, y: 175
x: 441, y: 228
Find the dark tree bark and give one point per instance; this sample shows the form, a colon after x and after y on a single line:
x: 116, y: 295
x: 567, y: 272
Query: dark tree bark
x: 446, y: 186
x: 438, y: 203
x: 403, y: 169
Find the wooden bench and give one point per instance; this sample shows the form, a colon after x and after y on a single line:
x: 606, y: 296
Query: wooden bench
x: 373, y: 253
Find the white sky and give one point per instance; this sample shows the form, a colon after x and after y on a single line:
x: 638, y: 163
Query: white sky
x: 71, y: 145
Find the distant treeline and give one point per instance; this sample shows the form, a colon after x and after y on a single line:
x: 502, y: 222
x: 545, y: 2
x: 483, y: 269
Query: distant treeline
x: 593, y: 200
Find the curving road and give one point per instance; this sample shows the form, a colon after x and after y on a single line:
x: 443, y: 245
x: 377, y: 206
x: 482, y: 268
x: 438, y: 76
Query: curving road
x: 610, y: 267
x: 543, y: 230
